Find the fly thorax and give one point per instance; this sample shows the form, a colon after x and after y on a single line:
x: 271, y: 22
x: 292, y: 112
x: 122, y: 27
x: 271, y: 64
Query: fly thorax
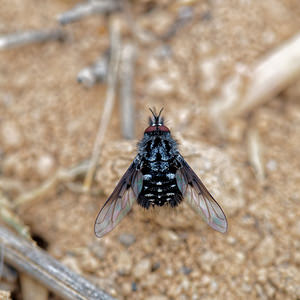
x: 158, y: 148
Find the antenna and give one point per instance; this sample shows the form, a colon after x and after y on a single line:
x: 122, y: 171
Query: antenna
x: 154, y: 112
x: 156, y: 118
x: 160, y: 112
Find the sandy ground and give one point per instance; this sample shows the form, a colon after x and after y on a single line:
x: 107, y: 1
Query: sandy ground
x: 49, y: 121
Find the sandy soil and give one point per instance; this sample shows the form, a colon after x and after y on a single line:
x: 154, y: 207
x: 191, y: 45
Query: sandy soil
x: 49, y: 121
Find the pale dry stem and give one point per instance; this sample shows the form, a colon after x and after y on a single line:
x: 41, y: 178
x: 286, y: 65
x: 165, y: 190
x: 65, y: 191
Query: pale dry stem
x: 251, y: 88
x: 115, y: 43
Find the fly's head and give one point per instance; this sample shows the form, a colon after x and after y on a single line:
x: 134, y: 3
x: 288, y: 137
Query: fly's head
x: 156, y: 125
x: 157, y: 140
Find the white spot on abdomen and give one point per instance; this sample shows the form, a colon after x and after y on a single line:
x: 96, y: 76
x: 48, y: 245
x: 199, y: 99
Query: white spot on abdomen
x: 147, y: 176
x: 171, y: 175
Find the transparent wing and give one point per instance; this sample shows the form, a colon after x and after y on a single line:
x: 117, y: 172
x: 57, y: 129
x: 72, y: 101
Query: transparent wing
x: 199, y: 198
x: 120, y: 201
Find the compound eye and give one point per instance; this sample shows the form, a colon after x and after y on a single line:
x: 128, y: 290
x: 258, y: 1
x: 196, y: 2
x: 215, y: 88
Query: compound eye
x: 163, y: 128
x: 150, y: 129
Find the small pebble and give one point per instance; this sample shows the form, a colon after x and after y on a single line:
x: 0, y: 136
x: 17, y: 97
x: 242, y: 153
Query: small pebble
x: 11, y: 136
x: 297, y: 258
x: 89, y: 264
x: 169, y: 272
x: 231, y: 240
x: 239, y: 257
x: 157, y: 297
x: 155, y: 266
x: 72, y: 263
x: 160, y: 86
x: 295, y: 229
x: 286, y: 278
x: 134, y: 286
x: 5, y: 295
x: 45, y: 165
x: 259, y: 290
x: 262, y: 275
x: 124, y: 263
x: 205, y: 280
x: 185, y: 284
x: 186, y: 271
x: 142, y: 268
x: 169, y: 236
x: 207, y: 260
x: 247, y: 288
x: 265, y: 252
x: 163, y: 51
x: 209, y: 68
x: 270, y: 290
x: 151, y: 280
x: 127, y: 239
x: 213, y: 286
x: 272, y: 165
x: 98, y: 250
x: 126, y: 288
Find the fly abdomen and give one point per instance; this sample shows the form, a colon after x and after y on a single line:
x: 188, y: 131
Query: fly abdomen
x: 159, y: 188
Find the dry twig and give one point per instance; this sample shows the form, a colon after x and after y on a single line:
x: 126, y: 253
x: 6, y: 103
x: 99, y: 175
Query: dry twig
x: 184, y: 16
x: 255, y: 153
x: 126, y: 90
x: 10, y: 218
x: 88, y: 8
x: 110, y: 97
x: 33, y: 36
x: 10, y: 185
x: 29, y: 259
x: 138, y: 33
x: 63, y: 175
x: 268, y: 77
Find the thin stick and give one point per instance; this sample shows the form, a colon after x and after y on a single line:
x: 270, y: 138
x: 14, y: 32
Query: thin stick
x: 110, y: 97
x: 11, y: 185
x: 60, y: 176
x: 12, y: 220
x: 272, y: 75
x: 96, y: 72
x: 1, y: 261
x: 126, y: 91
x: 138, y: 33
x: 248, y: 89
x: 33, y: 36
x: 255, y: 153
x: 88, y: 8
x: 8, y: 216
x: 29, y: 259
x: 185, y: 15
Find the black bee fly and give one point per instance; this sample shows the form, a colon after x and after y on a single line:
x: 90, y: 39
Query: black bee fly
x: 159, y: 176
